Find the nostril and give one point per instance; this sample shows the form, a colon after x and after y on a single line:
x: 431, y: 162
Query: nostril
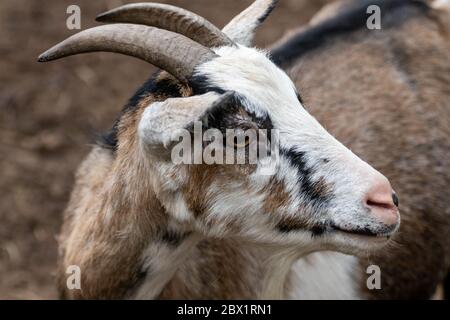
x: 384, y: 205
x: 382, y: 198
x: 395, y: 199
x: 382, y: 202
x: 383, y: 209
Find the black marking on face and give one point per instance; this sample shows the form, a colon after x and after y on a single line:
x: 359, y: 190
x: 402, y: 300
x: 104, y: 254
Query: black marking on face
x: 287, y: 226
x: 200, y: 84
x: 231, y: 114
x: 366, y: 230
x: 352, y: 18
x: 223, y: 115
x: 318, y: 230
x: 166, y: 87
x: 293, y: 225
x: 314, y: 192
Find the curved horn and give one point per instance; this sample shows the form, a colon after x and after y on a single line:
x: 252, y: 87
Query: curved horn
x: 169, y: 51
x: 242, y: 28
x: 169, y: 18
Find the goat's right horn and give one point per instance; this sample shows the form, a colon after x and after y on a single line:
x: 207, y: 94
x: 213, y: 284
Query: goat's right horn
x: 170, y: 18
x: 167, y: 50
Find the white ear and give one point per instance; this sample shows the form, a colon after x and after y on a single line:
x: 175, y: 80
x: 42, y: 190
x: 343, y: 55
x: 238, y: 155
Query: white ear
x: 162, y: 121
x: 242, y: 28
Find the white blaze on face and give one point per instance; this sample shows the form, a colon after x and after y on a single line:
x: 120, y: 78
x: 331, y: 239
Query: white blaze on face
x: 267, y: 91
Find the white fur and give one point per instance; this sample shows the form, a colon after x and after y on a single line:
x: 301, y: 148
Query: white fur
x: 161, y: 121
x: 162, y: 260
x: 277, y: 270
x: 324, y: 275
x: 267, y: 90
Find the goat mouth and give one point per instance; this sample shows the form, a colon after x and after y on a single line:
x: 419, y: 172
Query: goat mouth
x: 380, y: 233
x: 366, y: 232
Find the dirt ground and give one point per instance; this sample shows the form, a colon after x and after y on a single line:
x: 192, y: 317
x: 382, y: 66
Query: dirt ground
x: 51, y: 112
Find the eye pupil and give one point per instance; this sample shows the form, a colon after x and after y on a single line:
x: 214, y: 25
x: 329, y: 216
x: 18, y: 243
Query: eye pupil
x: 239, y: 144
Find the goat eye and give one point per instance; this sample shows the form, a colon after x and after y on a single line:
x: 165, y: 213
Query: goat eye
x: 237, y: 140
x: 241, y: 143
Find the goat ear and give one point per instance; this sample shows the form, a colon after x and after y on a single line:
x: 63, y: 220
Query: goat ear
x: 242, y: 28
x: 163, y: 122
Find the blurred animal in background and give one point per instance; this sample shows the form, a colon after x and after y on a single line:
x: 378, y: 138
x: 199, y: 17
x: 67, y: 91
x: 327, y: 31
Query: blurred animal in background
x: 386, y: 95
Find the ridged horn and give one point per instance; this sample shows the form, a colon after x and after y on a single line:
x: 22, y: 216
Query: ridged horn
x: 170, y: 18
x: 169, y: 51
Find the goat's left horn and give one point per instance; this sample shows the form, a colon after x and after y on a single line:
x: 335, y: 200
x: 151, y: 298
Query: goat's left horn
x: 167, y: 50
x: 170, y: 18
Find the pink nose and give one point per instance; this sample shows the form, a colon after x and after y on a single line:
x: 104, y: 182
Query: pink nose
x: 383, y: 202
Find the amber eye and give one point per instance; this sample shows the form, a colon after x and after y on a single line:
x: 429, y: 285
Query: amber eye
x: 241, y: 143
x: 238, y: 141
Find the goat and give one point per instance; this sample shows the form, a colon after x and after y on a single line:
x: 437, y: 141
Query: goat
x: 139, y: 226
x: 385, y: 94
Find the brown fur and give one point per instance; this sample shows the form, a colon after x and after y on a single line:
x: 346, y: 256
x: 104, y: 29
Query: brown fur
x: 277, y: 197
x: 112, y: 215
x: 211, y: 273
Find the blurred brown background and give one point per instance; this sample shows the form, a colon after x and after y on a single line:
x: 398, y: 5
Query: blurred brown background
x: 50, y: 113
